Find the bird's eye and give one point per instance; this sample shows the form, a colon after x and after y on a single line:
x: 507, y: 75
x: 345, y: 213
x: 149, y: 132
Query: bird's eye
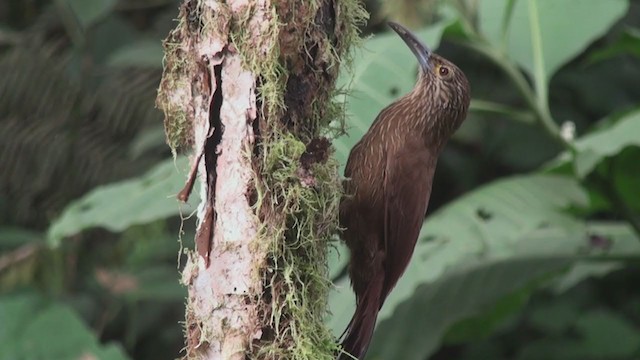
x: 443, y: 71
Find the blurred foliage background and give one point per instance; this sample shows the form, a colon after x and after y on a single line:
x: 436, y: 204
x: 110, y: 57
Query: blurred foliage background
x: 530, y: 249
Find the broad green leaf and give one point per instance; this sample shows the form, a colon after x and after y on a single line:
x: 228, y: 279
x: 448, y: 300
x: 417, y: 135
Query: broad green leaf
x: 600, y: 334
x: 31, y: 330
x: 121, y: 205
x: 383, y: 70
x: 143, y: 53
x: 474, y: 252
x: 417, y: 325
x: 490, y: 221
x: 626, y: 175
x: 89, y: 12
x: 562, y: 29
x: 584, y: 270
x: 457, y: 233
x: 13, y: 310
x: 627, y: 43
x: 607, y: 335
x: 555, y: 317
x: 593, y: 148
x: 482, y: 325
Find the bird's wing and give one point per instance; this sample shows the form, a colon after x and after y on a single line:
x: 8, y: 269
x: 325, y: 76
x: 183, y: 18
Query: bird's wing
x: 407, y: 187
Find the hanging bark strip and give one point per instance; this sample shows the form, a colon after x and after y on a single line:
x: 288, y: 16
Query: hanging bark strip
x: 213, y: 97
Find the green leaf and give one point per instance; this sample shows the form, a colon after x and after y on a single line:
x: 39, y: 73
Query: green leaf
x: 118, y: 206
x: 368, y: 91
x: 88, y: 12
x: 555, y: 317
x: 31, y: 329
x: 585, y: 270
x: 627, y: 43
x: 485, y: 323
x: 601, y: 334
x: 545, y: 22
x: 626, y: 175
x: 143, y: 53
x: 607, y: 335
x: 416, y: 327
x: 594, y: 147
x: 419, y: 324
x: 475, y: 251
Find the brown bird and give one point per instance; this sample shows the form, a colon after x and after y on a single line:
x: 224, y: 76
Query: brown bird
x: 389, y: 175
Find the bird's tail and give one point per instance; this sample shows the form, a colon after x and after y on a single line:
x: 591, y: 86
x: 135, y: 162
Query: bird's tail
x: 358, y: 334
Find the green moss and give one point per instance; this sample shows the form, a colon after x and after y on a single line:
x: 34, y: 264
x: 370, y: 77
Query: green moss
x: 299, y: 221
x: 175, y: 79
x: 261, y: 57
x: 297, y: 239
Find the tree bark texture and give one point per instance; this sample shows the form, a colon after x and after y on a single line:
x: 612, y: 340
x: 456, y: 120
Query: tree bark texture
x: 248, y: 87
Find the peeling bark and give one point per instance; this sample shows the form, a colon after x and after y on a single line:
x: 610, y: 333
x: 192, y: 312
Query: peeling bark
x: 248, y: 86
x: 221, y: 292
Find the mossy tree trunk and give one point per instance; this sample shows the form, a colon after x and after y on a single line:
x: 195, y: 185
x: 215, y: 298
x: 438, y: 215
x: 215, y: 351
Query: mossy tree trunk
x: 248, y: 87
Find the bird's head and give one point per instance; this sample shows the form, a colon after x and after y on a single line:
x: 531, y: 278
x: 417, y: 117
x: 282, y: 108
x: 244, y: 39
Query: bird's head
x: 442, y: 88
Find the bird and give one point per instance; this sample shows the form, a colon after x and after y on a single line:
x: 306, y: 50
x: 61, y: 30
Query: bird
x: 388, y: 181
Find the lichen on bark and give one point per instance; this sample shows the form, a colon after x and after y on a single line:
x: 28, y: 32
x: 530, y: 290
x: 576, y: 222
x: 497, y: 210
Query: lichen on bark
x: 248, y: 86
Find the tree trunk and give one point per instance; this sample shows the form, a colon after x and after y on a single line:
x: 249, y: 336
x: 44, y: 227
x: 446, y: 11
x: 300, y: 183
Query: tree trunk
x: 249, y: 86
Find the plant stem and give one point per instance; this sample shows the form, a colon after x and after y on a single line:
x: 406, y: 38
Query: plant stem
x: 542, y: 113
x: 538, y: 102
x: 508, y: 111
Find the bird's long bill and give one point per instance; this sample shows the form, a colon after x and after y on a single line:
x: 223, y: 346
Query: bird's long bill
x: 422, y: 51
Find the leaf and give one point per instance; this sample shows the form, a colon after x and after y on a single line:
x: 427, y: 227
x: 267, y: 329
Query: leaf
x: 627, y: 43
x: 88, y: 12
x: 489, y: 222
x: 435, y: 307
x: 477, y: 250
x: 545, y: 22
x: 585, y: 270
x: 417, y: 325
x: 485, y: 323
x: 607, y: 335
x: 143, y: 53
x: 31, y: 329
x: 555, y: 317
x: 601, y: 335
x: 594, y: 147
x: 369, y: 92
x: 626, y: 175
x: 121, y: 205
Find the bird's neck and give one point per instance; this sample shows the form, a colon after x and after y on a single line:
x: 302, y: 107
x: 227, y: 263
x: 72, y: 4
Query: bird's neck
x: 429, y: 123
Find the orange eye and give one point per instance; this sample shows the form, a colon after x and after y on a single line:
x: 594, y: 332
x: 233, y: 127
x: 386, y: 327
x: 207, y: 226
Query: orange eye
x: 443, y: 71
